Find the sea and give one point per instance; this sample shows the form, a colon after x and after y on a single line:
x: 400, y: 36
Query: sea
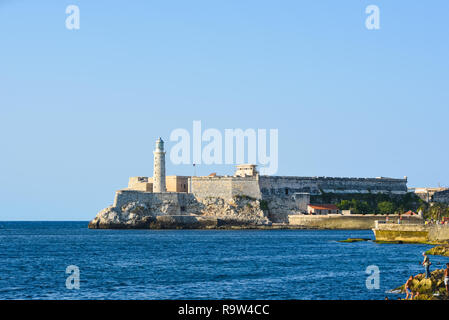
x: 66, y: 260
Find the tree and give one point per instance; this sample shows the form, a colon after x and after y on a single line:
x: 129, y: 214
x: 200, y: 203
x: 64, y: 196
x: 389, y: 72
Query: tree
x: 344, y: 205
x: 437, y: 211
x: 385, y: 207
x: 362, y: 207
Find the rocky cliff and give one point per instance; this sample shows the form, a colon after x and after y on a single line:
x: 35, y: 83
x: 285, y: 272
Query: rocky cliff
x: 140, y: 210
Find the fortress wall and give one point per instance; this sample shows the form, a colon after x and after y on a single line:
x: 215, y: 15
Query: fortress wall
x: 302, y: 201
x: 204, y: 187
x: 177, y: 200
x: 248, y: 187
x: 224, y: 187
x: 442, y: 196
x: 146, y: 187
x: 278, y: 185
x: 375, y: 185
x: 280, y: 207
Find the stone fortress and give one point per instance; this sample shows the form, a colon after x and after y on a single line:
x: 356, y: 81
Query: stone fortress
x: 244, y: 198
x: 432, y: 194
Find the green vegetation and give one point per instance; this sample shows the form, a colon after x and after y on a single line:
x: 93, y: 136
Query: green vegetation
x: 385, y: 207
x: 436, y: 211
x: 355, y: 206
x: 244, y: 197
x: 372, y: 203
x: 264, y: 205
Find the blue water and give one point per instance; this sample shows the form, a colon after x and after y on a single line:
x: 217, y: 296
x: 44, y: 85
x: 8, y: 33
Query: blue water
x: 197, y: 264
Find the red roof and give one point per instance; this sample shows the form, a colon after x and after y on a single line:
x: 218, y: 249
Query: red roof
x: 323, y: 206
x: 409, y: 213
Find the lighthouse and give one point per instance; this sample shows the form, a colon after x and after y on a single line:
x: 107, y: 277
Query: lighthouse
x: 159, y: 167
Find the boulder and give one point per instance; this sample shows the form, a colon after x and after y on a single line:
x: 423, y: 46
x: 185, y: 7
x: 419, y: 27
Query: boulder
x: 442, y: 250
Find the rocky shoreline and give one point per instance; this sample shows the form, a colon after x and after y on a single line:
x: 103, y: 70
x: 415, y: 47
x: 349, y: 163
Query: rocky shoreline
x: 432, y: 288
x: 442, y: 250
x: 427, y: 289
x: 208, y: 213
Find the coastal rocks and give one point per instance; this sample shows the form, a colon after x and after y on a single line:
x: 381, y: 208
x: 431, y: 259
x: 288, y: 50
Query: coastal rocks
x: 172, y: 212
x: 133, y: 215
x: 184, y: 222
x: 238, y: 210
x: 442, y: 250
x: 428, y: 289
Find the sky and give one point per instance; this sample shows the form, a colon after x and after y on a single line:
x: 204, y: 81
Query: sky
x: 80, y: 110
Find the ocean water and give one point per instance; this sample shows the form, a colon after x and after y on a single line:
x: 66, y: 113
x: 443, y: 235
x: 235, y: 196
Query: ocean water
x: 197, y: 264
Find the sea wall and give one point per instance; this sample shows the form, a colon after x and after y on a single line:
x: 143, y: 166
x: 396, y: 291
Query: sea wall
x: 439, y: 233
x: 390, y: 232
x: 337, y: 221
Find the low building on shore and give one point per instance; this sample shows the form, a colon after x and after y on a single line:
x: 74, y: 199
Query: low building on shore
x: 320, y: 209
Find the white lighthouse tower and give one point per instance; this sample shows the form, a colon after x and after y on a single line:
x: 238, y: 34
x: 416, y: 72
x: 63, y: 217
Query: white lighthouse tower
x: 159, y: 167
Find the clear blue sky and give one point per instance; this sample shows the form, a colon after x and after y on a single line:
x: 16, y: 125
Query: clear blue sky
x: 80, y: 110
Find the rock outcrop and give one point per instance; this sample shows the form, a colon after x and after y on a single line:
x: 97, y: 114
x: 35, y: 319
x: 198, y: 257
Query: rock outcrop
x: 428, y: 289
x: 442, y: 250
x: 238, y: 210
x: 186, y: 213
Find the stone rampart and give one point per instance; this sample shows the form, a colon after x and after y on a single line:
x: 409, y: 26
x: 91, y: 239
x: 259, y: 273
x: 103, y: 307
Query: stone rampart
x: 279, y: 185
x: 224, y: 187
x: 174, y: 202
x: 442, y: 197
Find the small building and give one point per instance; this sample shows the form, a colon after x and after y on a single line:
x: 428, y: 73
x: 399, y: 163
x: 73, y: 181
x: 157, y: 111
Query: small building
x: 320, y: 209
x: 144, y: 184
x: 177, y: 183
x: 246, y: 170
